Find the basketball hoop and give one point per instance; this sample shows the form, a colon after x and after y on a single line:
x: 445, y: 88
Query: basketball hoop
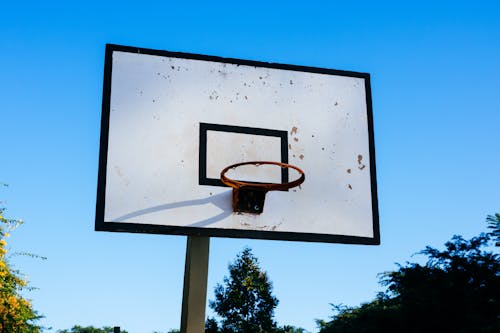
x: 249, y: 197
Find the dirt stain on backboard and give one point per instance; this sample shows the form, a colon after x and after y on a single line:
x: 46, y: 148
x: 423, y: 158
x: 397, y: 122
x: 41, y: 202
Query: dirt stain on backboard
x: 119, y: 173
x: 361, y: 166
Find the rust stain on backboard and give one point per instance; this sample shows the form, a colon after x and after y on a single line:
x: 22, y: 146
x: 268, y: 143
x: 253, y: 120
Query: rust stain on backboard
x: 361, y: 166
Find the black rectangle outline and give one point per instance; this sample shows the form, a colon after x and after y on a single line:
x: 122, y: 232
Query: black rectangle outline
x: 101, y: 225
x: 205, y: 127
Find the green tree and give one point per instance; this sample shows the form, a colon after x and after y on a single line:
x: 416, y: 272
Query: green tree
x: 16, y: 312
x: 457, y: 290
x: 245, y: 302
x: 494, y: 224
x: 89, y: 329
x: 211, y: 326
x: 291, y: 329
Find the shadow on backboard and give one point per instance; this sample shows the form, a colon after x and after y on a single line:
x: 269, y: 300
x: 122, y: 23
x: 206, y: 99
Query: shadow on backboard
x: 223, y: 201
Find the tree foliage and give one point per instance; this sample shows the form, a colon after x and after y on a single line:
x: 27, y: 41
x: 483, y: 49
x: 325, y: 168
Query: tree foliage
x: 89, y: 329
x: 457, y: 290
x: 494, y: 224
x: 16, y: 312
x: 291, y: 329
x: 245, y: 302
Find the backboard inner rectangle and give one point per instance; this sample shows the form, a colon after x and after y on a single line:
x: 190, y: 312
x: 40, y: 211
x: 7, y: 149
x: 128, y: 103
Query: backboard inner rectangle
x: 224, y: 145
x: 226, y: 148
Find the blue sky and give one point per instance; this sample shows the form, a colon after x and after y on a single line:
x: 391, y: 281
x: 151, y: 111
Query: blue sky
x: 434, y: 72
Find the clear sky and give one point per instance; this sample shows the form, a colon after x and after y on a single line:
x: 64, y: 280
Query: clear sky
x: 434, y: 69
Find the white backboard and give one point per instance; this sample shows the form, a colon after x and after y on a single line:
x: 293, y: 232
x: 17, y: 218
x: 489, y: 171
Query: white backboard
x: 172, y: 121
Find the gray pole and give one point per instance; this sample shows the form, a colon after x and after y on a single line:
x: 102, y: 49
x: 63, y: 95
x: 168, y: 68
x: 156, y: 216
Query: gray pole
x: 194, y: 296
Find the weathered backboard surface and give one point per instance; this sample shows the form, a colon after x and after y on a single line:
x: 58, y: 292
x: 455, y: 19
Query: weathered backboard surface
x: 172, y: 121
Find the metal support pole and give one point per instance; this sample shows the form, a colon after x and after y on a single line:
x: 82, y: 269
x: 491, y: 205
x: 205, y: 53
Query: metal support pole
x: 194, y: 296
